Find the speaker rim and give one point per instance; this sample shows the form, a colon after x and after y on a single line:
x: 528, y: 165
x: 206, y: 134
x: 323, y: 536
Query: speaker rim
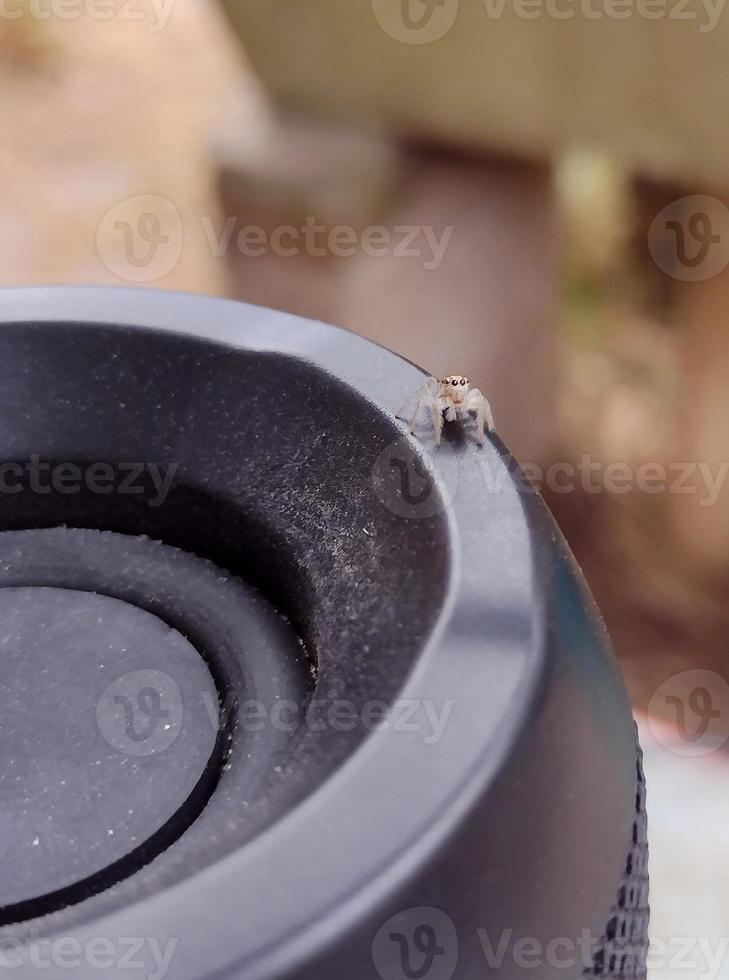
x: 306, y: 854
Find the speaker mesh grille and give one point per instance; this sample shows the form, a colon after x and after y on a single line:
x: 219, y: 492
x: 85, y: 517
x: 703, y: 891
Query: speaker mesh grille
x: 622, y: 951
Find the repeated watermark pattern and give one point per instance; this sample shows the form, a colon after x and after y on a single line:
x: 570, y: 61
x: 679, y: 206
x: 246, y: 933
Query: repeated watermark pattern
x: 689, y: 238
x: 129, y: 478
x: 689, y: 713
x: 144, y: 956
x: 415, y: 21
x: 416, y: 944
x: 417, y: 488
x: 705, y: 13
x: 142, y: 239
x: 423, y: 944
x: 153, y: 15
x: 425, y: 718
x: 141, y: 713
x: 319, y: 240
x: 412, y: 487
x: 427, y: 21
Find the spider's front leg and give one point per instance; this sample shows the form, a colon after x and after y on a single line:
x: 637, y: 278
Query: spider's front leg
x: 436, y: 409
x: 427, y: 399
x: 478, y: 403
x: 430, y: 397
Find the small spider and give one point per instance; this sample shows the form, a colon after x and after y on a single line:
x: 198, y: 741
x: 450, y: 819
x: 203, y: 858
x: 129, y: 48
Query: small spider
x: 446, y: 400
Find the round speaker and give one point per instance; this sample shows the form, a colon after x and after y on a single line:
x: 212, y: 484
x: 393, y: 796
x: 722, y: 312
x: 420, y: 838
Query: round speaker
x: 288, y: 692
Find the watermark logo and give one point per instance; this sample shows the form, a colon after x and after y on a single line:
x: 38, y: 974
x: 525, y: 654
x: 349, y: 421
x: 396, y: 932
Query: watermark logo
x: 425, y: 21
x: 417, y: 487
x: 689, y: 713
x: 141, y: 238
x: 140, y: 713
x: 689, y: 238
x: 422, y: 944
x: 410, y: 488
x: 415, y: 21
x: 416, y: 944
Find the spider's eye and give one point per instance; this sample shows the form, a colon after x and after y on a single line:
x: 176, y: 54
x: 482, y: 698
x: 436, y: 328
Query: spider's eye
x: 454, y: 383
x: 463, y: 381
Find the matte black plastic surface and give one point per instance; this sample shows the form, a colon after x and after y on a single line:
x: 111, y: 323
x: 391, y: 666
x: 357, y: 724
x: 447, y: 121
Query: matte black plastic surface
x: 81, y: 787
x: 113, y: 731
x: 413, y: 576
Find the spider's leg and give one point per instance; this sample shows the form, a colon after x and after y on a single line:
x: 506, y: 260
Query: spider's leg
x: 411, y: 418
x: 489, y: 415
x: 480, y: 422
x: 436, y: 411
x: 422, y: 398
x: 401, y: 413
x: 424, y: 403
x: 477, y: 403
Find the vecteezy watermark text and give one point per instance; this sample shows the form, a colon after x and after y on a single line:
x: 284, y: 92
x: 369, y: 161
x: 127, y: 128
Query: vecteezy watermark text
x: 591, y: 476
x: 142, y: 239
x: 341, y: 241
x: 410, y: 489
x: 701, y: 955
x: 154, y: 14
x: 423, y: 942
x: 427, y: 21
x: 144, y: 956
x: 141, y: 714
x: 38, y: 476
x: 426, y: 718
x: 705, y: 12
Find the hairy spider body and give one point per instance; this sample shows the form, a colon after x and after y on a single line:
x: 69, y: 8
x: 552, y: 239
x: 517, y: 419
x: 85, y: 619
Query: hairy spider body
x: 446, y: 401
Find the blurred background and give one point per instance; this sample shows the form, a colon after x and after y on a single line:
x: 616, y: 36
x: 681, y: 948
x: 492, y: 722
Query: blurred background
x: 531, y: 192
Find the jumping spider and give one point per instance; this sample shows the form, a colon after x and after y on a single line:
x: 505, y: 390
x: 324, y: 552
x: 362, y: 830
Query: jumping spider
x: 448, y: 399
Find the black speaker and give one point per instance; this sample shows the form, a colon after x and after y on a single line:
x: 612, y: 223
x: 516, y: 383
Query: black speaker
x: 288, y: 692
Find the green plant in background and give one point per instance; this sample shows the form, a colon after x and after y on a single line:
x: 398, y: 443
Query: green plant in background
x: 593, y: 198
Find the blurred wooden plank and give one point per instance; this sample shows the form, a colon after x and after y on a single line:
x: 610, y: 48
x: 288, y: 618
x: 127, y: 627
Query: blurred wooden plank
x: 646, y: 79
